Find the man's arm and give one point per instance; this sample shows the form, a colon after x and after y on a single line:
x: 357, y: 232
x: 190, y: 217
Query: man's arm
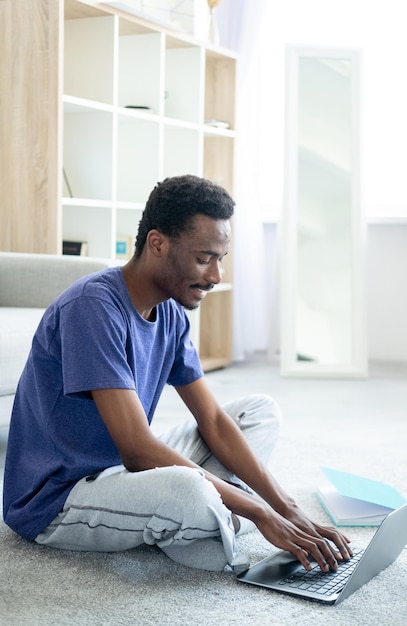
x: 127, y: 423
x: 139, y: 450
x: 226, y: 442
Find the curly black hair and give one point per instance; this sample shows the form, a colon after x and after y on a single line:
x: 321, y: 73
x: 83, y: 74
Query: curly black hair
x: 175, y: 201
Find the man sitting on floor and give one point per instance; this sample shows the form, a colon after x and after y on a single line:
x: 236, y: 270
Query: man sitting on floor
x: 84, y: 470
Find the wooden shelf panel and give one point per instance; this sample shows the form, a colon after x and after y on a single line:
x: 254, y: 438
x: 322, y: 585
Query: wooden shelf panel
x: 209, y: 364
x: 215, y: 337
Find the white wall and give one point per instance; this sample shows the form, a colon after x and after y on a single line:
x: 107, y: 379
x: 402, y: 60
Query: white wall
x: 387, y: 292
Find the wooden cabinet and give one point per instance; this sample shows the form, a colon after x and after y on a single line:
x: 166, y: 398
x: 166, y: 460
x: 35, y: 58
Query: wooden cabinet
x: 126, y: 103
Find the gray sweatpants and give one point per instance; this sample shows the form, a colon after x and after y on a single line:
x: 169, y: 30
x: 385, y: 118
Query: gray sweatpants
x: 175, y: 508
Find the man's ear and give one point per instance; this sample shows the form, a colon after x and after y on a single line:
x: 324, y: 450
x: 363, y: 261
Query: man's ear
x: 157, y: 242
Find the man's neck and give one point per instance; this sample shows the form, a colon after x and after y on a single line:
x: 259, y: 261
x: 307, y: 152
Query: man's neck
x: 140, y: 288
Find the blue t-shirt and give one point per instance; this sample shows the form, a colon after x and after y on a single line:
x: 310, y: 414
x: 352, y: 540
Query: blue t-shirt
x: 91, y: 337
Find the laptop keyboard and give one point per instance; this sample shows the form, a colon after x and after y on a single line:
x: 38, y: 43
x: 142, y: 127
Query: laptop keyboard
x: 323, y: 582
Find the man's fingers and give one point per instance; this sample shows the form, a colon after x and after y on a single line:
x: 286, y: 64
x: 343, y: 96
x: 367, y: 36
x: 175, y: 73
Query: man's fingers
x: 301, y: 555
x: 323, y: 556
x: 341, y: 542
x: 320, y: 550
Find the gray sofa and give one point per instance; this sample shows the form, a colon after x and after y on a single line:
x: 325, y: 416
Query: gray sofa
x: 28, y: 284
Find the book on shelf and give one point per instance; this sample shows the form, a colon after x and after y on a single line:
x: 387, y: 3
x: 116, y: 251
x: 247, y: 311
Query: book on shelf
x: 352, y: 500
x: 124, y: 247
x: 78, y: 248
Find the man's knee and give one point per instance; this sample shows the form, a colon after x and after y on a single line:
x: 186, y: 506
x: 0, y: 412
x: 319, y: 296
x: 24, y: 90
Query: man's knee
x: 259, y: 417
x: 190, y: 488
x: 191, y: 503
x: 259, y: 408
x: 264, y: 404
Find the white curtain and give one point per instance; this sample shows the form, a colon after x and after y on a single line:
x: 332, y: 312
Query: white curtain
x: 240, y: 25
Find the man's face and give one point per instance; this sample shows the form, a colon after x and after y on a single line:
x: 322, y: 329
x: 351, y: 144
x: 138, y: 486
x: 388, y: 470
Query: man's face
x: 192, y: 265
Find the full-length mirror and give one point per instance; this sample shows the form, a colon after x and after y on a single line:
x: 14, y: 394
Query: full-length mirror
x: 323, y: 293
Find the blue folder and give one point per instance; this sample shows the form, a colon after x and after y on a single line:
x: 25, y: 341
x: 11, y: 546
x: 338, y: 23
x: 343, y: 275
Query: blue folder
x: 353, y: 486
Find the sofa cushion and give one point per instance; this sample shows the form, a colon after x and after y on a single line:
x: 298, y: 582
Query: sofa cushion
x: 35, y: 280
x: 17, y: 327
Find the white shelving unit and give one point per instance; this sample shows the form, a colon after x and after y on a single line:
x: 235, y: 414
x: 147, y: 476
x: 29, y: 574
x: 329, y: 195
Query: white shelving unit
x: 136, y: 101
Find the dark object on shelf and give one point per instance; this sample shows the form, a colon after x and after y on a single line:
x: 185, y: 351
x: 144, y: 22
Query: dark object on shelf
x: 68, y: 186
x: 78, y: 248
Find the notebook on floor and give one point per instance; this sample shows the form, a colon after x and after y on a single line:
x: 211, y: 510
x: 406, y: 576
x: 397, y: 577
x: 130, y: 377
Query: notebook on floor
x: 283, y: 573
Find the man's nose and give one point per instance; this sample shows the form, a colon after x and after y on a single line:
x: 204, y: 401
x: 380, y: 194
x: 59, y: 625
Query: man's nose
x: 214, y: 273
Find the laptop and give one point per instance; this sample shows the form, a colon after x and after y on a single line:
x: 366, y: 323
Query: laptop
x: 282, y: 572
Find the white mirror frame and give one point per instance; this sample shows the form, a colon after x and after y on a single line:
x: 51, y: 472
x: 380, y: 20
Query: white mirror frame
x: 291, y: 365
